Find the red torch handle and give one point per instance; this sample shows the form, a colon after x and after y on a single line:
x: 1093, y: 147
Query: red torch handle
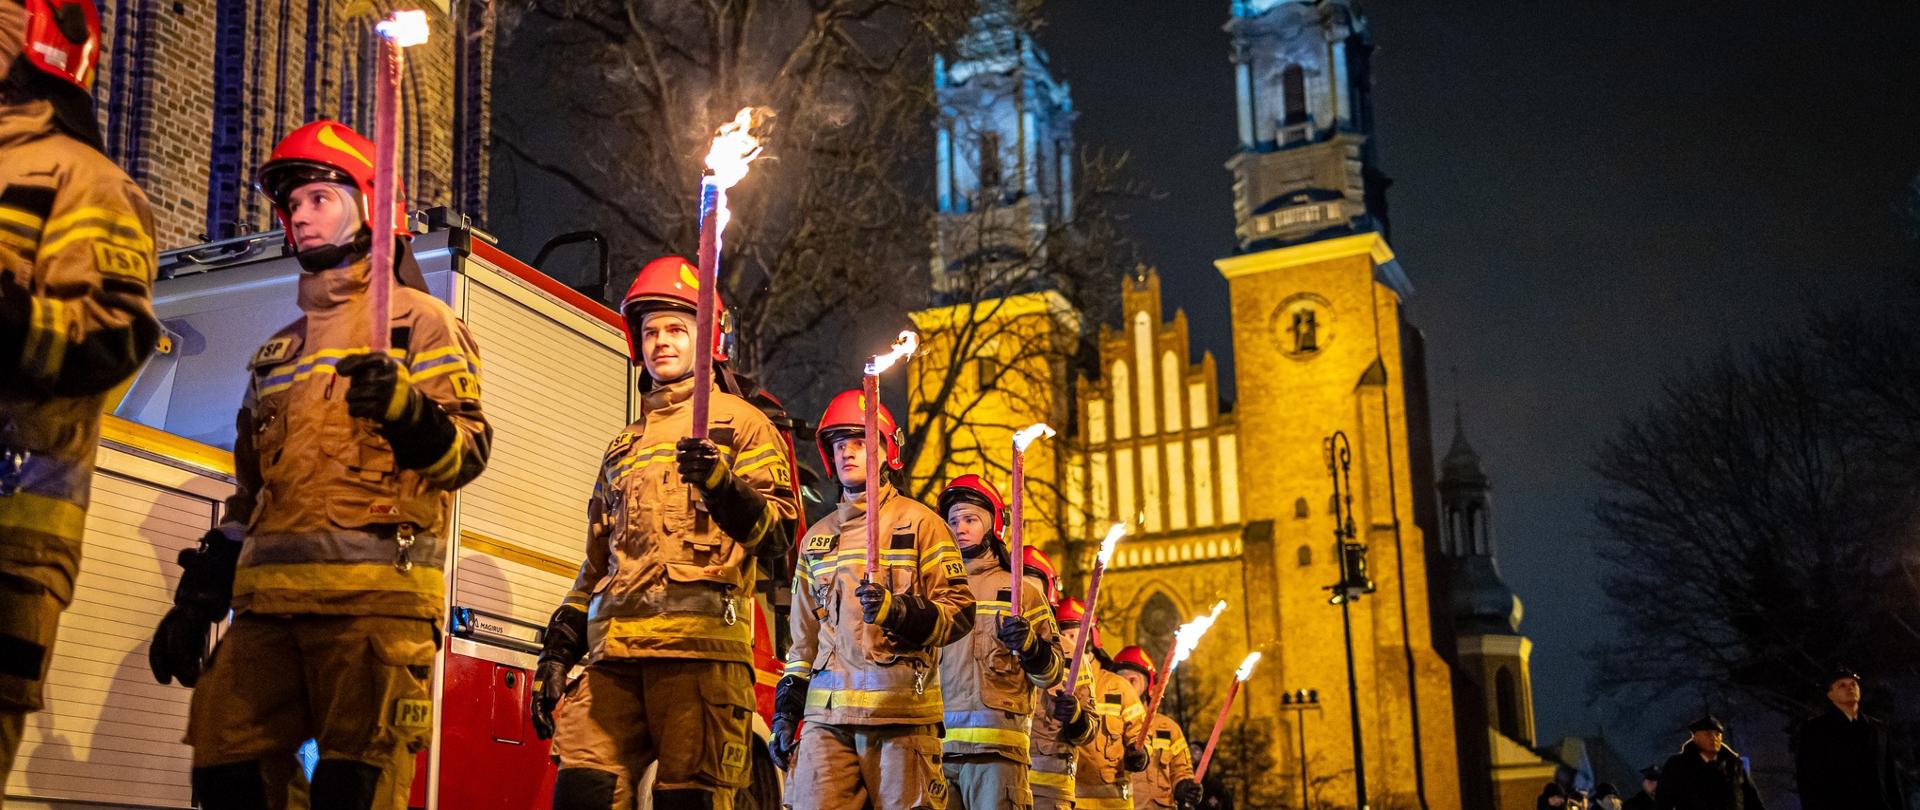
x: 1206, y: 758
x: 385, y: 134
x: 1016, y: 531
x: 870, y: 389
x: 713, y: 199
x: 1086, y: 624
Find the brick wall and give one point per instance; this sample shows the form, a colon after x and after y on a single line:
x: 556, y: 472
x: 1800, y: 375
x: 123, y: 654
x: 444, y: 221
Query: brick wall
x: 192, y: 96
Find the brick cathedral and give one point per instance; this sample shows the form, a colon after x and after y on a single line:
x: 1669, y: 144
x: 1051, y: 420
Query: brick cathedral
x: 1234, y: 503
x: 193, y: 94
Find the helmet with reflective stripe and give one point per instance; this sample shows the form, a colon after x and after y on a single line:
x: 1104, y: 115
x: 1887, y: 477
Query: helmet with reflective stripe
x: 1038, y: 565
x: 1069, y: 610
x: 846, y: 416
x: 979, y: 491
x: 1137, y: 660
x: 61, y: 39
x: 323, y: 152
x: 671, y: 282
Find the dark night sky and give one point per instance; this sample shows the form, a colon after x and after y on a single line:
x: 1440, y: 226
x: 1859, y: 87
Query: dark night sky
x: 1588, y: 196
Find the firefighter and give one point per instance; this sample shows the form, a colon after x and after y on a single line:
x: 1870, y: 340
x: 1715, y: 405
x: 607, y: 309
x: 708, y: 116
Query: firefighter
x: 1168, y: 778
x: 1067, y: 722
x: 989, y: 682
x: 1103, y: 764
x: 333, y: 545
x: 76, y: 266
x: 863, y: 667
x: 662, y: 610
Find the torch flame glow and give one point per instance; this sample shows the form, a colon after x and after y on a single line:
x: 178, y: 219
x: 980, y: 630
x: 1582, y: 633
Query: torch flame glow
x: 903, y: 348
x: 405, y: 28
x: 1246, y: 667
x: 1114, y: 534
x: 733, y: 148
x: 1026, y: 437
x: 1188, y: 636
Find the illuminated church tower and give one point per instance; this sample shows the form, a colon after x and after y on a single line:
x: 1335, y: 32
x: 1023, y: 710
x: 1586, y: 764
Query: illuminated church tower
x: 1322, y: 344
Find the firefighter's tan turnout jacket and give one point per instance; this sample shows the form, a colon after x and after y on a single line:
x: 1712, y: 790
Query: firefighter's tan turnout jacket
x: 1169, y: 762
x: 990, y: 700
x: 1101, y: 780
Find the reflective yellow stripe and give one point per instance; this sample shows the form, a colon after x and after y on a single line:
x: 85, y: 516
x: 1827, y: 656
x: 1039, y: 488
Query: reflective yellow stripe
x: 43, y: 515
x: 439, y: 371
x: 1117, y: 803
x: 24, y: 245
x: 110, y: 226
x: 799, y: 668
x: 18, y: 217
x: 818, y: 698
x: 46, y: 344
x: 338, y: 577
x: 108, y: 235
x: 443, y: 472
x: 680, y: 625
x: 987, y: 736
x: 1134, y: 712
x: 1049, y: 779
x: 765, y: 462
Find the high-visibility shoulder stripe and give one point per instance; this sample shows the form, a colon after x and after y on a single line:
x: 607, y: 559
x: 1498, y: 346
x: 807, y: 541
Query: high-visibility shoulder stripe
x: 766, y: 461
x: 128, y: 235
x: 21, y: 217
x: 27, y: 246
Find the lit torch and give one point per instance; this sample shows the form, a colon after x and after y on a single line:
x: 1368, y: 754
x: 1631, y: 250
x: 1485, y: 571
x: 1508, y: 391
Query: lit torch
x: 1100, y: 561
x: 401, y: 31
x: 1185, y: 640
x: 1021, y: 441
x: 903, y: 348
x: 733, y: 148
x: 1239, y: 677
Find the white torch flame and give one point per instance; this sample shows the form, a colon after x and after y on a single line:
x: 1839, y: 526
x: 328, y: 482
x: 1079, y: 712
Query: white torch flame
x: 1246, y: 667
x: 903, y: 348
x: 1188, y: 636
x: 405, y: 28
x: 1114, y: 534
x: 1026, y: 437
x: 733, y: 148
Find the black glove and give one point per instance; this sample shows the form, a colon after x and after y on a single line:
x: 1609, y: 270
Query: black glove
x: 786, y: 740
x: 200, y: 600
x: 565, y: 644
x: 789, y: 705
x: 737, y: 508
x: 1037, y: 658
x: 1076, y: 725
x: 378, y: 388
x: 1189, y: 793
x: 905, y: 616
x: 1135, y: 759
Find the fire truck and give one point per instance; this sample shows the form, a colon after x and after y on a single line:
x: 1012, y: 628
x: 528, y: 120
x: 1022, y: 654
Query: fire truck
x: 559, y: 386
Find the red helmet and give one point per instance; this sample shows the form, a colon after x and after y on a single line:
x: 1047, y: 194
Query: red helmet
x: 847, y: 415
x: 671, y: 282
x: 1038, y: 565
x: 1069, y: 610
x: 62, y: 39
x: 979, y: 491
x: 323, y: 151
x: 1137, y: 660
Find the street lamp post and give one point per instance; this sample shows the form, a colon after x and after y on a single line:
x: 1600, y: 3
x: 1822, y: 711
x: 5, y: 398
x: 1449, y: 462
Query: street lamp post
x: 1354, y: 583
x: 1301, y: 701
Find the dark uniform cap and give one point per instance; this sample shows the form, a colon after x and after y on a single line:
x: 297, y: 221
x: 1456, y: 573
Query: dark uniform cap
x: 1838, y: 674
x: 1708, y: 723
x: 1651, y: 772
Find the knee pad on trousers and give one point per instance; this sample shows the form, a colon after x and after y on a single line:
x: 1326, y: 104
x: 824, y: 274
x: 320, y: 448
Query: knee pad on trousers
x: 235, y: 786
x: 340, y: 784
x: 584, y: 789
x: 683, y: 799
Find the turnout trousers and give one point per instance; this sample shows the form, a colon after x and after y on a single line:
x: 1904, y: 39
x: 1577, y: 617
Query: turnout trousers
x: 893, y: 767
x: 693, y: 718
x: 29, y: 618
x: 986, y: 782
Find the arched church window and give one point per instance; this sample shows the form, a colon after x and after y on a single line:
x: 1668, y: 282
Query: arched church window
x: 1293, y: 88
x: 1506, y: 698
x: 1299, y: 508
x: 1306, y: 556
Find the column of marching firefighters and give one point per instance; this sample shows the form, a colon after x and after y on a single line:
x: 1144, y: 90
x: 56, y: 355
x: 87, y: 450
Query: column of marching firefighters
x: 330, y: 552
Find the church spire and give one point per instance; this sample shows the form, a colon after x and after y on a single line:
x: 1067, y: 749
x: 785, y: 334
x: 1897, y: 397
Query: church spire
x: 1003, y: 144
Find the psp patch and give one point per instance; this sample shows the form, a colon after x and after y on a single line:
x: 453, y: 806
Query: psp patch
x: 820, y: 543
x: 733, y: 757
x: 412, y: 713
x: 273, y: 351
x: 465, y: 385
x: 124, y: 262
x: 955, y: 570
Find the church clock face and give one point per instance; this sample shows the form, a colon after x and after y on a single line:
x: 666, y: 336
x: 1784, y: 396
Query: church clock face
x: 1302, y: 326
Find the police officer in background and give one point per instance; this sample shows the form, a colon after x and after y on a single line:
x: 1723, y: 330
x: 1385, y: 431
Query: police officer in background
x: 863, y: 670
x: 991, y: 680
x: 333, y: 549
x: 662, y: 608
x: 1843, y: 758
x: 76, y: 268
x: 1706, y: 774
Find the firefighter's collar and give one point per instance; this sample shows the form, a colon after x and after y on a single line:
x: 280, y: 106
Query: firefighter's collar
x: 854, y: 504
x: 329, y: 289
x: 664, y: 396
x: 982, y: 563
